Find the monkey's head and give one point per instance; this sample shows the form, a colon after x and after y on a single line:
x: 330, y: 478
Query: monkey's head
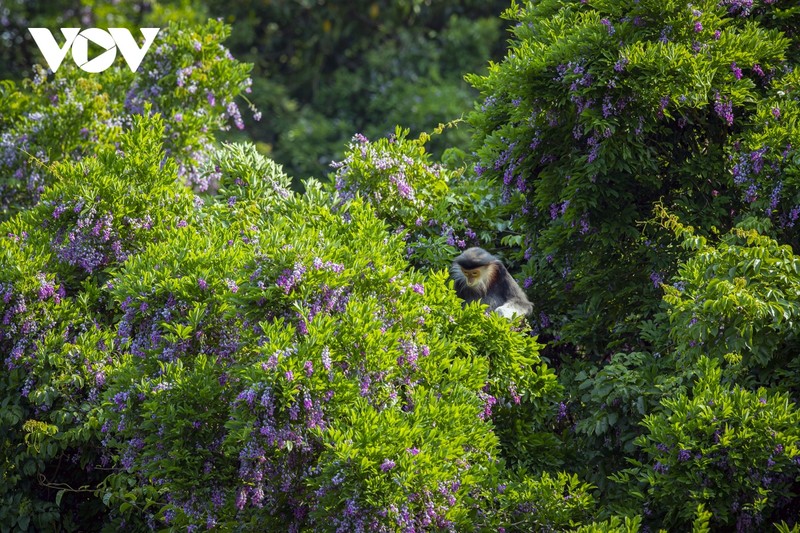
x: 474, y: 268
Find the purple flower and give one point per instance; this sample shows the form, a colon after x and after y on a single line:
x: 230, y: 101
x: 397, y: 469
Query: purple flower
x: 742, y: 7
x: 233, y: 112
x: 608, y: 25
x: 290, y: 278
x: 46, y: 288
x: 698, y: 26
x: 202, y: 284
x: 387, y: 465
x: 737, y: 72
x: 326, y: 358
x: 657, y: 279
x: 241, y: 499
x: 289, y: 375
x: 684, y: 455
x: 562, y: 412
x: 403, y: 188
x: 608, y: 109
x: 724, y: 108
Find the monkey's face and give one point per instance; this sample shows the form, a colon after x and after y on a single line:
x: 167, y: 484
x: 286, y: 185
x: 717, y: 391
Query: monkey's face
x: 474, y: 275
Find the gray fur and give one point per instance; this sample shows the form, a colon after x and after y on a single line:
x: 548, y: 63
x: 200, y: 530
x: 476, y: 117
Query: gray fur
x: 499, y: 291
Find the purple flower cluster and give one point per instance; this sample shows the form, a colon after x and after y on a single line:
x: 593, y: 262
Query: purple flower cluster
x: 47, y: 289
x: 774, y: 198
x: 289, y: 279
x: 87, y: 240
x: 403, y: 188
x: 488, y: 402
x: 657, y: 278
x: 740, y: 7
x: 232, y: 111
x: 562, y: 412
x: 723, y: 107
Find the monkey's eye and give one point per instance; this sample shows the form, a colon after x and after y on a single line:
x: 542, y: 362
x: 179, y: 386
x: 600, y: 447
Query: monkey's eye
x: 471, y: 273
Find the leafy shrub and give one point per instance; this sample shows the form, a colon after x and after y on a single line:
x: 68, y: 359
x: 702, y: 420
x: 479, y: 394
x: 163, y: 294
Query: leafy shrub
x: 438, y: 211
x: 737, y: 300
x: 734, y: 450
x: 57, y: 337
x: 614, y: 524
x: 187, y: 76
x: 604, y: 405
x: 539, y: 504
x: 602, y: 109
x: 259, y: 351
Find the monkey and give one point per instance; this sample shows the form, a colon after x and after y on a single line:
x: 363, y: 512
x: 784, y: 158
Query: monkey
x: 478, y: 275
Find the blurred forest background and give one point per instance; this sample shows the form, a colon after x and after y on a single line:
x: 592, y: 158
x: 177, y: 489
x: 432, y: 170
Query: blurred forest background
x: 322, y: 70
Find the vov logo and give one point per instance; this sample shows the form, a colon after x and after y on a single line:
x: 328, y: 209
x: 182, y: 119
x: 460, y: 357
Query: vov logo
x: 110, y: 41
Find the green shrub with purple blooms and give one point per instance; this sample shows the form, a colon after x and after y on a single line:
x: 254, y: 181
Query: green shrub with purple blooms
x: 256, y: 357
x: 729, y: 448
x: 600, y: 110
x: 438, y: 209
x: 190, y: 344
x: 188, y: 77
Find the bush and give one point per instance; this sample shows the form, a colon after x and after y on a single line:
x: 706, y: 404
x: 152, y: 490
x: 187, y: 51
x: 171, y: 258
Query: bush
x: 259, y: 351
x: 437, y: 210
x: 601, y: 110
x: 733, y: 450
x: 58, y: 332
x: 189, y: 78
x: 736, y: 301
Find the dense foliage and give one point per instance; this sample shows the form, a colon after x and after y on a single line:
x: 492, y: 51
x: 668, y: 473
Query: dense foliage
x: 646, y: 154
x: 189, y: 343
x: 190, y: 78
x: 264, y: 351
x: 599, y: 111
